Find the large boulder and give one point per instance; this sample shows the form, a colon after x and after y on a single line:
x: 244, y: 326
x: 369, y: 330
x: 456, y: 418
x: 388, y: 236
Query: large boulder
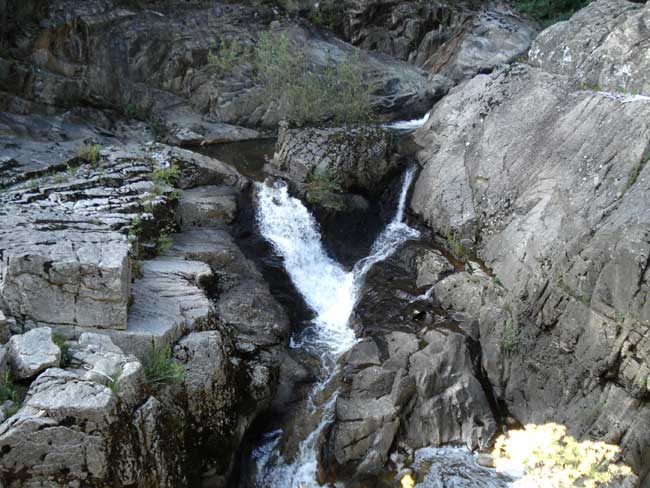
x: 600, y: 47
x: 555, y: 181
x: 32, y: 353
x: 357, y: 158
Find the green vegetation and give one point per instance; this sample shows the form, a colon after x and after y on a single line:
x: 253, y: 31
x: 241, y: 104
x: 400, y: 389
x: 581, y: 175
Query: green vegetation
x: 114, y: 386
x: 133, y: 111
x: 135, y: 229
x: 337, y: 93
x: 8, y: 391
x: 497, y: 281
x: 164, y: 241
x: 160, y: 368
x: 62, y: 343
x: 510, y: 337
x: 169, y: 176
x: 549, y: 12
x: 89, y: 153
x: 324, y: 187
x: 636, y: 170
x: 455, y: 246
x: 551, y: 458
x: 223, y: 59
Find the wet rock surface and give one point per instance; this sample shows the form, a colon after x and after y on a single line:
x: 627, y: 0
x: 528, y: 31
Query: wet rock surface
x: 412, y: 382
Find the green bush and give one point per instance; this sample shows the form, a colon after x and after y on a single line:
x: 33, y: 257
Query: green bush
x: 338, y: 94
x: 323, y: 187
x: 169, y: 176
x: 227, y: 56
x: 510, y: 338
x: 549, y: 12
x: 89, y: 152
x: 160, y: 368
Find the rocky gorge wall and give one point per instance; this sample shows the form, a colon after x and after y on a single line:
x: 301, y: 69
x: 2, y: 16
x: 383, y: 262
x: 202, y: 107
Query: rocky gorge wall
x: 525, y: 301
x: 541, y: 171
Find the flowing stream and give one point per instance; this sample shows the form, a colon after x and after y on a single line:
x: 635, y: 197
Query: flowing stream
x: 331, y: 292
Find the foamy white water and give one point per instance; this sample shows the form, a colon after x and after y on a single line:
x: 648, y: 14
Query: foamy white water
x: 331, y: 292
x: 409, y: 124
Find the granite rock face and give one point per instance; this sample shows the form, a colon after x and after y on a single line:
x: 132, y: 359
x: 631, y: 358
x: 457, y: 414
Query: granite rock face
x: 413, y: 382
x: 554, y: 180
x: 153, y: 64
x: 601, y: 47
x: 457, y: 39
x: 32, y: 353
x: 358, y: 158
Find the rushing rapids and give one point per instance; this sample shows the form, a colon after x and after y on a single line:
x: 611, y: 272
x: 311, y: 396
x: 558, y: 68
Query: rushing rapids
x: 331, y: 292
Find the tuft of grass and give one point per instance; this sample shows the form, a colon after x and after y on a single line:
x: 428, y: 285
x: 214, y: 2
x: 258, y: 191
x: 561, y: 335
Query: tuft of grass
x: 160, y: 368
x: 62, y: 343
x: 164, y: 241
x: 497, y: 281
x: 114, y: 386
x: 133, y: 111
x: 322, y: 187
x: 9, y: 392
x: 455, y: 246
x: 636, y: 170
x: 89, y: 153
x: 135, y: 230
x: 510, y: 337
x: 169, y: 176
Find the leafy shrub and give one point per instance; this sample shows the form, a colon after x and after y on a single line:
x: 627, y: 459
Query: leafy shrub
x: 552, y: 459
x: 549, y: 12
x: 339, y: 93
x: 89, y: 152
x: 323, y: 187
x: 510, y: 337
x: 169, y: 175
x: 160, y: 368
x: 62, y: 343
x: 7, y: 389
x: 164, y: 241
x: 227, y: 56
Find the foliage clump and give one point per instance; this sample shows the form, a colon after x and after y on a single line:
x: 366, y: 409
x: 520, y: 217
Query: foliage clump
x: 160, y: 368
x: 169, y: 176
x: 324, y: 187
x: 224, y: 58
x: 552, y: 459
x: 337, y: 93
x: 510, y: 338
x: 8, y: 392
x: 89, y: 152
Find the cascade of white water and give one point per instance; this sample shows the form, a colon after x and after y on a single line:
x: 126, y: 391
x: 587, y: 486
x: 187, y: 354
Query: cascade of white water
x: 409, y: 124
x: 331, y: 292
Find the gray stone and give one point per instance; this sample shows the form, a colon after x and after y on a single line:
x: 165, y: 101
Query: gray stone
x: 613, y: 30
x: 357, y: 157
x: 32, y: 352
x: 207, y: 206
x: 431, y: 266
x: 563, y: 222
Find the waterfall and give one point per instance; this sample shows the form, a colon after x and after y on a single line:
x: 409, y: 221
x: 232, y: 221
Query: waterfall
x: 409, y: 124
x: 332, y: 293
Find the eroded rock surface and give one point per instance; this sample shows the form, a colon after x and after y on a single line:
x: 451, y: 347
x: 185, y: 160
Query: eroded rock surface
x: 412, y: 383
x: 602, y: 47
x: 33, y: 352
x: 564, y: 225
x: 457, y: 40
